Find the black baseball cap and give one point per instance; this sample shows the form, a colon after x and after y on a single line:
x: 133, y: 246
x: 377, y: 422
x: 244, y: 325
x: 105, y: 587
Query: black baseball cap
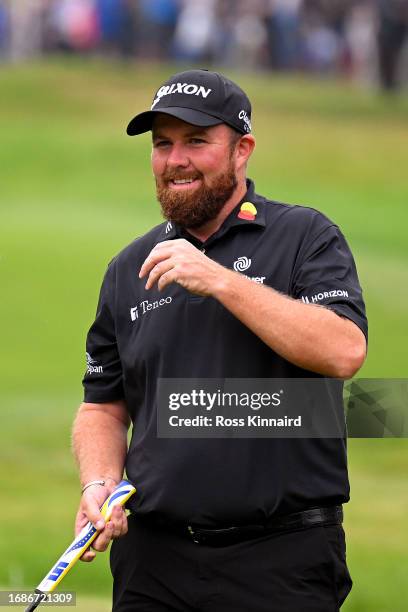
x: 199, y: 97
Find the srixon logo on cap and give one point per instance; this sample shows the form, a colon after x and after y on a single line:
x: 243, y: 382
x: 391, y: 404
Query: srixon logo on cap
x: 183, y: 88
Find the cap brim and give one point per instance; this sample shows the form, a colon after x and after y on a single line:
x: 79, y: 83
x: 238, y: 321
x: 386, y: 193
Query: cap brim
x: 144, y: 121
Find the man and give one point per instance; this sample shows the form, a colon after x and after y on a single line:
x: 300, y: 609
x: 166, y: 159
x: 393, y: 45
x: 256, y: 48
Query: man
x: 391, y: 36
x: 218, y: 524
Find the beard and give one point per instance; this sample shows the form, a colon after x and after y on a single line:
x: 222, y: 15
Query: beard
x: 192, y: 208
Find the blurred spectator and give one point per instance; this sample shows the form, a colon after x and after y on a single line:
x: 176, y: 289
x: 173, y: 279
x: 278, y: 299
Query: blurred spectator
x: 4, y: 30
x: 360, y: 34
x: 25, y: 38
x: 283, y: 25
x: 363, y: 39
x: 110, y: 20
x: 159, y: 19
x: 193, y: 39
x: 117, y: 21
x: 247, y: 36
x: 321, y: 43
x: 392, y: 35
x: 223, y: 35
x: 76, y: 24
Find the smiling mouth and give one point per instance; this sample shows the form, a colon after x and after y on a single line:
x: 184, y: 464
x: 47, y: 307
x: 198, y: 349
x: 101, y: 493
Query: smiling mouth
x: 182, y: 183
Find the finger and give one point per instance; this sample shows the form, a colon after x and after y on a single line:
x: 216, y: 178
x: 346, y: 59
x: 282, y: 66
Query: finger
x: 119, y: 522
x: 80, y: 522
x: 158, y: 270
x: 91, y: 509
x: 83, y: 520
x: 88, y: 556
x: 163, y: 250
x: 166, y: 279
x: 101, y: 543
x: 125, y: 527
x: 156, y: 255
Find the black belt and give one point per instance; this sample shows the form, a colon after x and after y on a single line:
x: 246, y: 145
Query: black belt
x: 290, y: 522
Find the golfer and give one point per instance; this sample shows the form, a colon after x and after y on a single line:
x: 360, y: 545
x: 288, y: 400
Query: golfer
x: 231, y: 285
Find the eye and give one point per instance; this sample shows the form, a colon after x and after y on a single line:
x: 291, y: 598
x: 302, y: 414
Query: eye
x: 197, y: 141
x: 159, y: 144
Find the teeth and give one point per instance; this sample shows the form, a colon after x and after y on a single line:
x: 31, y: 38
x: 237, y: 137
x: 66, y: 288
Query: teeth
x: 182, y: 181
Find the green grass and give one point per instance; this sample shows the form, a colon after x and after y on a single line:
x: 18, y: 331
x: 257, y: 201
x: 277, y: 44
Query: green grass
x: 74, y: 190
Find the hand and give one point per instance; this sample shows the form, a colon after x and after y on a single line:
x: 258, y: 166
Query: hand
x: 92, y: 499
x: 178, y: 261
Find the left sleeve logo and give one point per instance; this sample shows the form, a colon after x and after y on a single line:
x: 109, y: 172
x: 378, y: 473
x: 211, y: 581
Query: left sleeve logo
x: 91, y: 365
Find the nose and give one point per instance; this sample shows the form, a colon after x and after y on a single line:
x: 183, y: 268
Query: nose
x: 178, y: 157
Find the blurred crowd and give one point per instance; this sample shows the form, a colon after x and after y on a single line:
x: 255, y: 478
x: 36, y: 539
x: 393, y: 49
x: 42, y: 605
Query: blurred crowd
x: 364, y: 39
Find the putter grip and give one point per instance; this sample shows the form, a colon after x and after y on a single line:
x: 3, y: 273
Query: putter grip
x: 83, y: 540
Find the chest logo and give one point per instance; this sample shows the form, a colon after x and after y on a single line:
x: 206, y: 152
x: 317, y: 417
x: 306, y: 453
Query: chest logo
x: 145, y: 307
x: 247, y: 211
x: 242, y: 264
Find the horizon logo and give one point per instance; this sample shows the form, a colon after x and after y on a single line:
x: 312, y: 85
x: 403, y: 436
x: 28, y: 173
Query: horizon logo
x: 183, y: 88
x: 242, y: 264
x: 324, y: 295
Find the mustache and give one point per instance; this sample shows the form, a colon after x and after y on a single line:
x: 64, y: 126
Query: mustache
x: 176, y: 175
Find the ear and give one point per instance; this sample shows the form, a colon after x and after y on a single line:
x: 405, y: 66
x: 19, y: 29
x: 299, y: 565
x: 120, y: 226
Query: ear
x: 244, y: 149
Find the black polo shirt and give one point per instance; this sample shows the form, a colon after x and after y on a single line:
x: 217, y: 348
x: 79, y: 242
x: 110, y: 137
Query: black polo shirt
x: 140, y: 336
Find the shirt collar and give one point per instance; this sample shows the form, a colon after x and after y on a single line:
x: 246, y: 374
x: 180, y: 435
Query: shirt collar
x: 250, y: 211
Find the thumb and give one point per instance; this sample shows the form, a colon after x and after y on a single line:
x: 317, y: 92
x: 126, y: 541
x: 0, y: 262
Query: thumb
x: 91, y: 506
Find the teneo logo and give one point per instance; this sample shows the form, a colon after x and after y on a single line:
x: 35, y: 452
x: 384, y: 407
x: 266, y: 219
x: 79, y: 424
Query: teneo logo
x: 242, y: 264
x: 324, y: 295
x: 90, y: 367
x: 147, y: 306
x: 244, y: 117
x: 134, y: 313
x: 183, y: 88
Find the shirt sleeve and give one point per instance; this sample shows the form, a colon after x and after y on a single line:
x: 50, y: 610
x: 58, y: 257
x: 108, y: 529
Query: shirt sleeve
x: 327, y: 276
x: 103, y: 377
